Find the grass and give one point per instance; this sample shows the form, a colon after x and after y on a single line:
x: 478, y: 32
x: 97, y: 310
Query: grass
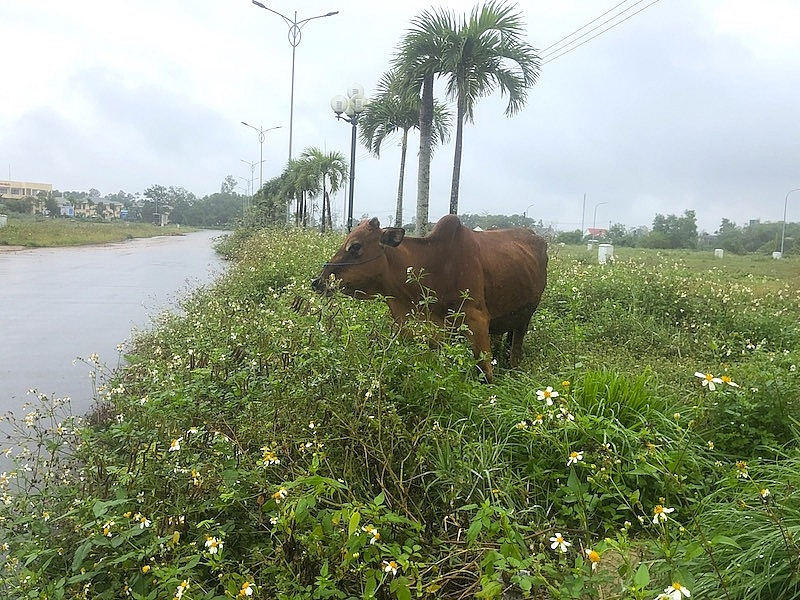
x: 270, y: 443
x: 47, y: 233
x: 733, y: 266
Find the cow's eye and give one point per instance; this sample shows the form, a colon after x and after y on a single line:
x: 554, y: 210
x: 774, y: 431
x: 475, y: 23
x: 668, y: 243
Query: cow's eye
x: 355, y: 248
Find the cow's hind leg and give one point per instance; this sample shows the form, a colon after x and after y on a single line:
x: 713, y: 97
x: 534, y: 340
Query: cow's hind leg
x: 517, y: 332
x: 516, y: 336
x: 501, y: 346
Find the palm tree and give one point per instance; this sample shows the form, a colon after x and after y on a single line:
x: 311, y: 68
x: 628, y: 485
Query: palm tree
x: 270, y: 203
x: 417, y: 62
x: 300, y: 182
x: 477, y: 56
x: 393, y: 110
x: 490, y: 54
x: 327, y: 170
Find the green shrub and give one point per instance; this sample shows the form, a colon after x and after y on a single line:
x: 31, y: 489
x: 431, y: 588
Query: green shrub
x: 271, y: 443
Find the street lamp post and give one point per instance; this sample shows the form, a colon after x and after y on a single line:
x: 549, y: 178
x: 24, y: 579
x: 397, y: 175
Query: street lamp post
x: 295, y: 35
x: 583, y: 213
x: 252, y: 166
x: 250, y: 191
x: 248, y: 184
x: 783, y: 229
x: 352, y: 106
x: 594, y: 221
x: 525, y: 214
x: 261, y: 131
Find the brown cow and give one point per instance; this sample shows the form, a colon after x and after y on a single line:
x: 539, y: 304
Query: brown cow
x: 502, y: 273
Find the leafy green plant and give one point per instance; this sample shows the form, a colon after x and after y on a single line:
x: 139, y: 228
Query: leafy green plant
x: 267, y: 442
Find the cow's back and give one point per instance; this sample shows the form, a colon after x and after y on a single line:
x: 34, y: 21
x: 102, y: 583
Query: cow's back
x: 514, y: 263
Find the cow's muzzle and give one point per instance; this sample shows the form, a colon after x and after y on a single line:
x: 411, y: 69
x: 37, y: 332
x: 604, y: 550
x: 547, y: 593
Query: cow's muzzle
x: 322, y: 286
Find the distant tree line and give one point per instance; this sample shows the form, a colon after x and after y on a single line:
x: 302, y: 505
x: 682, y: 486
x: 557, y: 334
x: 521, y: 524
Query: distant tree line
x: 223, y: 209
x: 487, y: 221
x: 763, y: 238
x: 672, y: 231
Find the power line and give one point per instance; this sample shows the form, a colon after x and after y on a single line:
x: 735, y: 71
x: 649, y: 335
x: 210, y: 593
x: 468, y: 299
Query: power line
x: 551, y: 58
x: 553, y: 45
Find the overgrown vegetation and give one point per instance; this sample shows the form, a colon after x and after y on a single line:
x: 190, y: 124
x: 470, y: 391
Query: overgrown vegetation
x: 43, y: 233
x: 269, y: 443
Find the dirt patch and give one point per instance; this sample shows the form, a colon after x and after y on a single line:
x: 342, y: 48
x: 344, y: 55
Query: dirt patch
x: 12, y: 248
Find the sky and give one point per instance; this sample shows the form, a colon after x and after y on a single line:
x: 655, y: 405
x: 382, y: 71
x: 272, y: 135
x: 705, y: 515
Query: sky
x: 686, y: 105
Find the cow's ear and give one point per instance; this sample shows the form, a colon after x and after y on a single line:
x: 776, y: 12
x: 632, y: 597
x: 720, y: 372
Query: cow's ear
x: 392, y: 236
x: 374, y: 223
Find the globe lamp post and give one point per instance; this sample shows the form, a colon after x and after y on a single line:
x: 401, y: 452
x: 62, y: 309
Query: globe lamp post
x: 348, y: 109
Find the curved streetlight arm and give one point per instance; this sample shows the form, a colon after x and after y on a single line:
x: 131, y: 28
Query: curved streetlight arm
x: 304, y: 21
x: 252, y: 163
x: 525, y: 214
x: 594, y: 221
x: 284, y: 17
x: 261, y: 131
x: 785, y: 204
x: 294, y: 22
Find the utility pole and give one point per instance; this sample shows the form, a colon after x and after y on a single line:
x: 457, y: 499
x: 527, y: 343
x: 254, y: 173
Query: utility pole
x: 583, y: 213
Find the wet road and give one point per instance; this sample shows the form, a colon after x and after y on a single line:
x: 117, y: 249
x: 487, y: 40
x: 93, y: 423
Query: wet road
x: 63, y: 303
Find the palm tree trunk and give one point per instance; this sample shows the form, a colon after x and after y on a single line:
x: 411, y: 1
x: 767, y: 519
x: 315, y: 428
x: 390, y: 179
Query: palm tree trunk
x: 324, y: 202
x: 457, y: 159
x: 398, y: 213
x: 329, y: 214
x: 322, y: 220
x: 425, y: 143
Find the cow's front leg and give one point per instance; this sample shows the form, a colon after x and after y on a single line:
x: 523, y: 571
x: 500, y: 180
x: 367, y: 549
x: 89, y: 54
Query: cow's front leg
x: 478, y: 325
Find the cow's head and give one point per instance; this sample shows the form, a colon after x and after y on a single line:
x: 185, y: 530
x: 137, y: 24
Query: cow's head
x: 359, y: 264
